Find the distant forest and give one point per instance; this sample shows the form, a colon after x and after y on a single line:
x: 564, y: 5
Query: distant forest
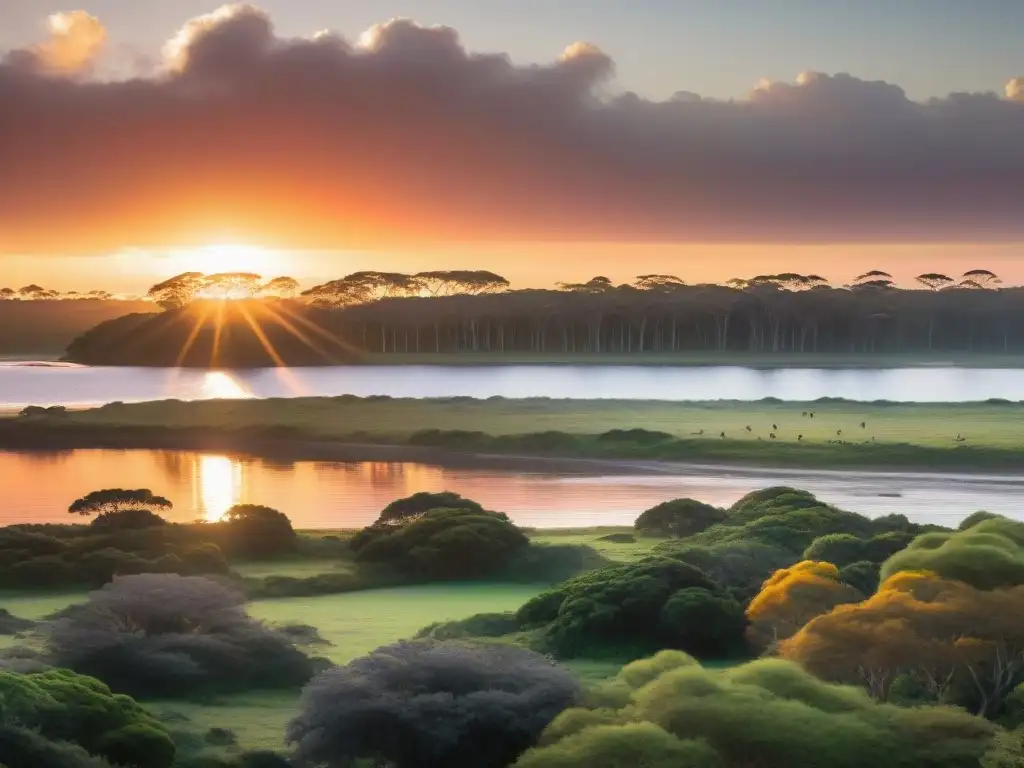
x: 475, y: 311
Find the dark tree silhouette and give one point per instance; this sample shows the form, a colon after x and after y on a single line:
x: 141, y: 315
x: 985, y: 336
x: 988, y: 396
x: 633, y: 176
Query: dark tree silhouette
x: 258, y: 531
x: 934, y: 280
x: 111, y: 500
x: 178, y: 291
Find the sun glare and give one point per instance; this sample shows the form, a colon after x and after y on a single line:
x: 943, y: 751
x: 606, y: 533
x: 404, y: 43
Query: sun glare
x: 227, y: 257
x: 219, y: 385
x: 219, y: 483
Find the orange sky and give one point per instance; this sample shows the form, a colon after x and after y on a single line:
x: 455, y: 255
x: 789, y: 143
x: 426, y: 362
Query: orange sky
x: 406, y: 151
x: 528, y: 264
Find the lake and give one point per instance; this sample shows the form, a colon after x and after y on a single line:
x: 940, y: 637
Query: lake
x: 39, y: 486
x: 22, y: 384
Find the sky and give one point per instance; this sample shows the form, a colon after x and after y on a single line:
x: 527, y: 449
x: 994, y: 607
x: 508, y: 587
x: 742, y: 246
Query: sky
x: 543, y: 139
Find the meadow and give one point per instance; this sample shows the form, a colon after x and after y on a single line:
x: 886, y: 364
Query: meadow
x: 830, y: 434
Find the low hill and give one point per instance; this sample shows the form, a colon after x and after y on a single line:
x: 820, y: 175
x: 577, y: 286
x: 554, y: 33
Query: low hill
x: 44, y: 328
x: 216, y: 334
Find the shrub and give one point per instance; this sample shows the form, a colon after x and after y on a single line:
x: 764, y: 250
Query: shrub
x: 431, y: 705
x: 977, y: 517
x: 681, y: 517
x: 706, y: 623
x: 257, y: 531
x: 405, y: 510
x: 64, y: 706
x: 444, y: 544
x: 23, y: 748
x: 138, y: 746
x: 480, y: 625
x: 862, y: 576
x: 621, y: 609
x: 127, y: 520
x: 169, y: 635
x: 766, y: 713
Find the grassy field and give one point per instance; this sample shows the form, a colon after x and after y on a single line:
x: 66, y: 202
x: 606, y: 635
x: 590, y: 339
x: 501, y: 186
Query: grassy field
x: 594, y: 537
x: 984, y: 424
x: 698, y: 358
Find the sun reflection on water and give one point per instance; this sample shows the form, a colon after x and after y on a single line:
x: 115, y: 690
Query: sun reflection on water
x: 222, y: 385
x: 219, y: 485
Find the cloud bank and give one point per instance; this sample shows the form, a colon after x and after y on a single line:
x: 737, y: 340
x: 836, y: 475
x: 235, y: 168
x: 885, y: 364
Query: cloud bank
x: 404, y: 136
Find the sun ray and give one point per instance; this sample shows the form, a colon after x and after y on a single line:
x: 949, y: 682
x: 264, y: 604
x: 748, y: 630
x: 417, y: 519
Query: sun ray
x: 288, y: 326
x: 218, y: 327
x: 320, y: 331
x: 201, y: 318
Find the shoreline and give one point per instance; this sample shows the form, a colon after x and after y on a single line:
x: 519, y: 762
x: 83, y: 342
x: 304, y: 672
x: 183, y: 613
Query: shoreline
x: 312, y: 450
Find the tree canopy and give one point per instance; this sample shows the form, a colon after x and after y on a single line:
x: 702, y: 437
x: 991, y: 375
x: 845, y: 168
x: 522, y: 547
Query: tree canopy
x: 680, y: 517
x: 118, y: 500
x: 67, y: 707
x: 431, y: 705
x: 668, y: 712
x: 443, y: 543
x: 632, y: 609
x: 168, y: 635
x: 956, y: 640
x: 988, y: 554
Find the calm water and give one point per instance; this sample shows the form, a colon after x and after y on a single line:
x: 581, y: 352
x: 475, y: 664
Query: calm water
x: 38, y: 486
x: 22, y: 385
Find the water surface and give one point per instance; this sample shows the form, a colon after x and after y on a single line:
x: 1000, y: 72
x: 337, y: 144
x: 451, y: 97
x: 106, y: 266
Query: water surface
x: 39, y: 486
x: 22, y: 384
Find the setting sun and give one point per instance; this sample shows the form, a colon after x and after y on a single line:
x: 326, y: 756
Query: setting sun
x: 228, y: 258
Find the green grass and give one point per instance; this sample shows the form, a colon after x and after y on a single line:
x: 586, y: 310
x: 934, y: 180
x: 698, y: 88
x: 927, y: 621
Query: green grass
x: 38, y: 605
x: 357, y: 622
x: 591, y: 537
x: 985, y: 424
x: 895, y: 435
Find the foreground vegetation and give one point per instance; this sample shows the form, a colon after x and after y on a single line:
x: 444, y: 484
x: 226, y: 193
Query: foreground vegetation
x: 880, y: 641
x: 826, y: 434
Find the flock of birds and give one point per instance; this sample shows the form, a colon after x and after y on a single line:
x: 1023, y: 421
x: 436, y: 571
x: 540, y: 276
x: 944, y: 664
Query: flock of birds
x: 773, y: 435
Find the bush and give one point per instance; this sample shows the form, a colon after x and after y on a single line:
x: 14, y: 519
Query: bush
x: 39, y: 572
x: 74, y: 708
x: 23, y: 748
x: 256, y: 531
x: 138, y: 746
x: 480, y: 625
x: 618, y: 538
x: 206, y: 558
x: 837, y: 548
x: 431, y: 705
x: 405, y: 510
x: 167, y: 635
x: 674, y: 714
x: 739, y: 566
x: 977, y: 517
x: 127, y: 520
x: 444, y: 544
x: 681, y: 517
x: 862, y: 576
x: 622, y: 609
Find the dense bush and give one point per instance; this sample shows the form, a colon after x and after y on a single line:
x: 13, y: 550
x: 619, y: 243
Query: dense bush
x: 623, y: 609
x: 444, y: 544
x: 842, y: 549
x: 741, y: 567
x: 252, y: 530
x: 24, y: 748
x: 168, y: 635
x: 480, y: 625
x: 680, y: 517
x: 862, y: 576
x: 405, y: 510
x: 64, y: 706
x: 431, y: 705
x: 671, y: 713
x: 987, y: 555
x: 977, y: 517
x: 126, y: 520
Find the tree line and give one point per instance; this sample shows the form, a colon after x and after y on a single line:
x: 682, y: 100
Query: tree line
x: 477, y: 311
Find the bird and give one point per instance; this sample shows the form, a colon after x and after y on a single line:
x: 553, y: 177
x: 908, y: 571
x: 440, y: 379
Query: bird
x: 839, y: 432
x: 723, y: 434
x: 775, y: 427
x: 863, y: 425
x: 811, y: 414
x: 748, y: 428
x: 771, y: 435
x: 799, y: 437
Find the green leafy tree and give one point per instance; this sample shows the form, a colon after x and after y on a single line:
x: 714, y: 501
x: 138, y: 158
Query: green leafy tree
x: 680, y: 517
x: 110, y: 500
x: 257, y: 531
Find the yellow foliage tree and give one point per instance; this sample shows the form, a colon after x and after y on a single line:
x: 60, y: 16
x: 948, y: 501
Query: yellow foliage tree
x: 936, y: 629
x: 793, y: 596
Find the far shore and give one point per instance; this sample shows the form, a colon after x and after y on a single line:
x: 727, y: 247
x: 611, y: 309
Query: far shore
x: 607, y: 436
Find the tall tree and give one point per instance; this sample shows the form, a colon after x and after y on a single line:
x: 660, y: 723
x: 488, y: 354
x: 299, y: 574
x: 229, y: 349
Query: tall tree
x: 178, y: 291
